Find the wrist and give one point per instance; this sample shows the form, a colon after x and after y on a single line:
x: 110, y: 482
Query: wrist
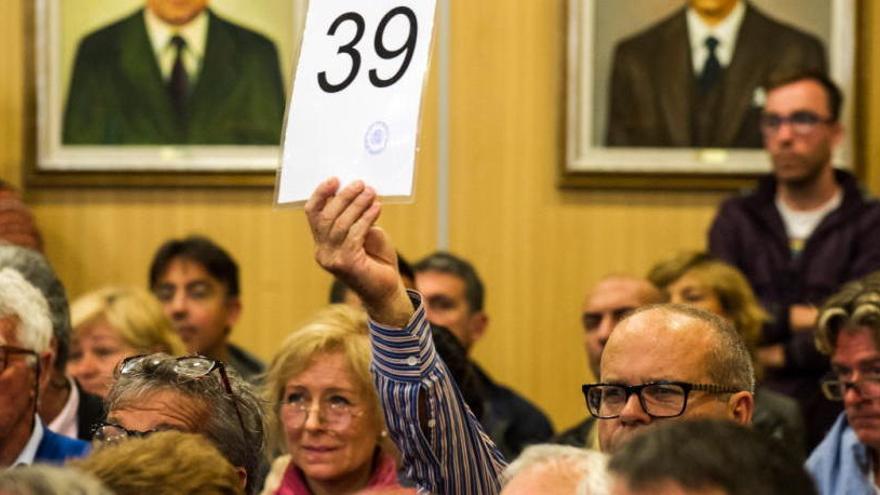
x: 394, y: 311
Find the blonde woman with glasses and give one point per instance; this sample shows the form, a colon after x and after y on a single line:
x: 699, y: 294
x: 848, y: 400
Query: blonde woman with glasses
x: 326, y: 410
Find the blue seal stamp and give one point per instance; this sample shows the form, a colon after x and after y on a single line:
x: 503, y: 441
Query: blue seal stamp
x: 376, y: 138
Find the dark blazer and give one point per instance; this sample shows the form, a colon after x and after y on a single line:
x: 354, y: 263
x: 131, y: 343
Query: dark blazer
x: 653, y: 83
x: 55, y: 448
x: 89, y: 414
x: 117, y: 95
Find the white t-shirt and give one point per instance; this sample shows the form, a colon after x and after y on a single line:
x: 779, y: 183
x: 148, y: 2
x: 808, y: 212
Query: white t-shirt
x: 799, y: 224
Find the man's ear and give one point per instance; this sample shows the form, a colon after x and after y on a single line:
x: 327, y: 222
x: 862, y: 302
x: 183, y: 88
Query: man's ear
x: 741, y: 406
x: 233, y: 311
x: 477, y: 325
x: 46, y: 360
x: 53, y: 345
x: 242, y: 476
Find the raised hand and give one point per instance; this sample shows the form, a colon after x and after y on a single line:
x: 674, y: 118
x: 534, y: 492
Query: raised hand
x: 351, y: 247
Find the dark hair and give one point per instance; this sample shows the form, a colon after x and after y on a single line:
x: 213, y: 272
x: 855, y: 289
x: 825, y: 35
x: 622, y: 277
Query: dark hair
x: 703, y: 454
x: 832, y: 91
x: 445, y: 262
x: 856, y: 304
x: 216, y: 261
x: 453, y: 353
x: 338, y: 289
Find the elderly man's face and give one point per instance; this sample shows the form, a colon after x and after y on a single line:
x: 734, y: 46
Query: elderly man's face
x: 604, y: 307
x: 856, y: 359
x: 800, y: 158
x: 17, y: 388
x: 160, y: 410
x: 177, y: 12
x: 653, y: 346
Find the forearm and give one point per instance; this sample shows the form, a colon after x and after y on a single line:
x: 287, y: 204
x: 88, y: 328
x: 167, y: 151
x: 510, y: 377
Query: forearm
x: 448, y: 452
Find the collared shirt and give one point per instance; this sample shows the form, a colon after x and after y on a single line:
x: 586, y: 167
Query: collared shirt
x: 66, y: 421
x: 27, y: 455
x: 725, y: 32
x: 454, y: 455
x: 841, y: 463
x: 195, y: 33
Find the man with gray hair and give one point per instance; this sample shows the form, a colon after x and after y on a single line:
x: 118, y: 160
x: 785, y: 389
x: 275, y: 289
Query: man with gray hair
x: 192, y: 394
x: 559, y: 469
x: 25, y: 333
x: 846, y: 461
x: 64, y: 406
x: 662, y: 363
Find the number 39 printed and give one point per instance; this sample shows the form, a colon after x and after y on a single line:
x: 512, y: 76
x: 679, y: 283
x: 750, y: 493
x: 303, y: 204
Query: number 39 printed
x: 350, y: 49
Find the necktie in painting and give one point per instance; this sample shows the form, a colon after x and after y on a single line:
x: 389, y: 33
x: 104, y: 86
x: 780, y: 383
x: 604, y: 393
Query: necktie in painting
x: 711, y: 72
x: 178, y: 83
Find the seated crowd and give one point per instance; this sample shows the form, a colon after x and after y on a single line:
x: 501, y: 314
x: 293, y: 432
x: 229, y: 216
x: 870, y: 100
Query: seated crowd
x: 706, y: 370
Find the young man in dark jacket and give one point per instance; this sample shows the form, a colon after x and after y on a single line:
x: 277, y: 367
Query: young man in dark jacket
x: 802, y: 233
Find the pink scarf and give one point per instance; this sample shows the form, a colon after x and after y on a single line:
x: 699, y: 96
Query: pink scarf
x: 384, y: 475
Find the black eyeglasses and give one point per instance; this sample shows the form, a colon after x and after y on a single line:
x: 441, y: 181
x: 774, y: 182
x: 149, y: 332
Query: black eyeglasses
x: 834, y: 388
x: 658, y: 400
x: 193, y: 367
x: 802, y: 122
x: 7, y: 350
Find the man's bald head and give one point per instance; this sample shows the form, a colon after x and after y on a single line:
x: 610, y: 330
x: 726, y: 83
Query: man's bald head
x: 675, y: 343
x: 606, y: 304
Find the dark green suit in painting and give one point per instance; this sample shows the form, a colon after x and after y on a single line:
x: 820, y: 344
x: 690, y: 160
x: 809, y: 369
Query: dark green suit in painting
x: 117, y: 95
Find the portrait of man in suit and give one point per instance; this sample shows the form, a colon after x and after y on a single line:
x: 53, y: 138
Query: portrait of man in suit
x: 695, y: 79
x: 174, y: 72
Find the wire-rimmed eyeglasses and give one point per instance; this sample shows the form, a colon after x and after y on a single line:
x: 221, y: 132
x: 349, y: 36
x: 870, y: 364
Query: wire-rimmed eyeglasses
x: 335, y: 413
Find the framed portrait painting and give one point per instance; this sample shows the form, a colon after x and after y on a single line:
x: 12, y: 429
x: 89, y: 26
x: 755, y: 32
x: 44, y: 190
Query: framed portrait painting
x: 159, y: 92
x: 669, y: 93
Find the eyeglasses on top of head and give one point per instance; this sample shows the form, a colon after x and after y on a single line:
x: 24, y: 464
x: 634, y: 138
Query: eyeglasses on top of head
x: 193, y: 367
x: 802, y: 122
x: 335, y: 412
x: 834, y: 388
x: 7, y: 350
x: 665, y: 399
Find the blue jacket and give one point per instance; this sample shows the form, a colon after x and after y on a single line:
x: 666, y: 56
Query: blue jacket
x: 841, y: 462
x: 55, y: 448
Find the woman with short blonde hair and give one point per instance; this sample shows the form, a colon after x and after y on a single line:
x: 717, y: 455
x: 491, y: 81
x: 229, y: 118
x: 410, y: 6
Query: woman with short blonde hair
x: 326, y: 413
x: 111, y: 324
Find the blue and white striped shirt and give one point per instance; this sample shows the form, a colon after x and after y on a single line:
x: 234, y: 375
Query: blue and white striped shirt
x: 456, y: 457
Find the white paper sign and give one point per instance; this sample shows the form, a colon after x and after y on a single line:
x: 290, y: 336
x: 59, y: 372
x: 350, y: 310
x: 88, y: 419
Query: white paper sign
x: 355, y: 107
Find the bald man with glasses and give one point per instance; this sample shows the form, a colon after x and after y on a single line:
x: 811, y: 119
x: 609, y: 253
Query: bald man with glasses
x: 804, y: 231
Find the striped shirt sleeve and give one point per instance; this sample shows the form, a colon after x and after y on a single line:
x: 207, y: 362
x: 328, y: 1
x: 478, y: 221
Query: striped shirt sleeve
x: 453, y: 455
